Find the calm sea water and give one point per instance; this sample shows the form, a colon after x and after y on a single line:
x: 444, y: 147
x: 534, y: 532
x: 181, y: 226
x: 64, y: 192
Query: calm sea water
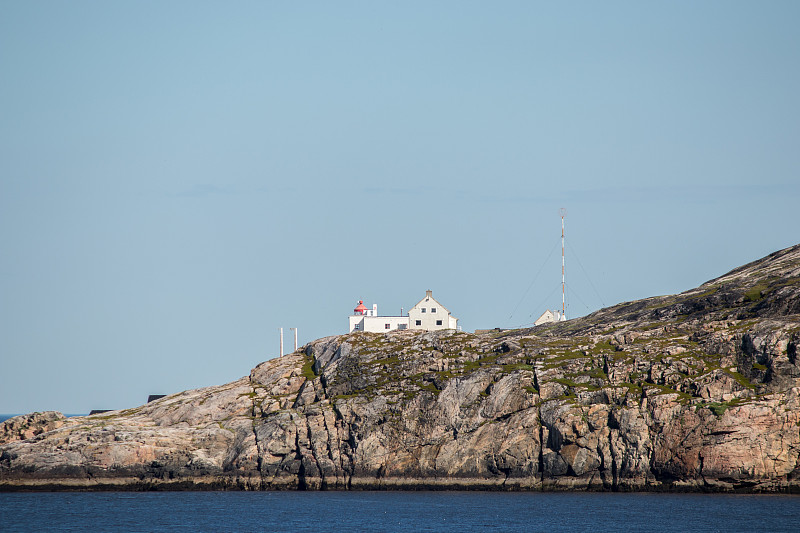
x: 395, y: 511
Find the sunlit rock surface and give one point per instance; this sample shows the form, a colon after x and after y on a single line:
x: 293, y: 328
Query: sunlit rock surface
x: 697, y: 391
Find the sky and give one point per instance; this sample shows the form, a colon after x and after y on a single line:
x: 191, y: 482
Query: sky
x: 179, y: 180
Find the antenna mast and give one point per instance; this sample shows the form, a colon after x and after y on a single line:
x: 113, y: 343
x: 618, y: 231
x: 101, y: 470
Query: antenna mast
x: 563, y: 278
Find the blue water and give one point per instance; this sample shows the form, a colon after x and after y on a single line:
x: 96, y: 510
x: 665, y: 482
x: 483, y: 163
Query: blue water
x: 396, y: 511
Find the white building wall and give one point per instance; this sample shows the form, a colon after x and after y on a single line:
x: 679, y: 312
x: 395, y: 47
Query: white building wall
x: 430, y: 315
x: 356, y: 323
x: 382, y: 324
x: 377, y: 324
x: 547, y: 317
x: 550, y: 316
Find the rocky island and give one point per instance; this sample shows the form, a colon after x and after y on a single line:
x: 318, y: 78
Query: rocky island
x: 696, y: 391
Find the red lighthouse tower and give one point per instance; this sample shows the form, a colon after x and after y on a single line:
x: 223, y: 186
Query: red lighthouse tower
x: 360, y: 309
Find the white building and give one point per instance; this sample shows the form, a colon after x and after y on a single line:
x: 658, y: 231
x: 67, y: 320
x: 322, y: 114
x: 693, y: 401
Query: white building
x: 364, y: 319
x: 428, y: 315
x: 550, y: 316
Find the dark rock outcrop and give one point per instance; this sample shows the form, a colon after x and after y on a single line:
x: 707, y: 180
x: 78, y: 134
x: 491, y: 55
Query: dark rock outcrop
x: 697, y: 391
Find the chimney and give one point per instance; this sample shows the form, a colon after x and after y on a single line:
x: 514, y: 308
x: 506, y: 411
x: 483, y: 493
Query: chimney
x: 374, y: 309
x: 429, y: 294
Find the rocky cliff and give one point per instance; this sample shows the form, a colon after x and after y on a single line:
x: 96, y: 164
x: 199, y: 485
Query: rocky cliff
x: 697, y: 391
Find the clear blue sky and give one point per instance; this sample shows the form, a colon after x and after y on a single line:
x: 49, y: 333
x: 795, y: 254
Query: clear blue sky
x: 180, y: 179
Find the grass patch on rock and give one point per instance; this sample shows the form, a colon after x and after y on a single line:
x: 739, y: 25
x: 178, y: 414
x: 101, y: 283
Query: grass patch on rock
x: 755, y: 293
x: 308, y: 368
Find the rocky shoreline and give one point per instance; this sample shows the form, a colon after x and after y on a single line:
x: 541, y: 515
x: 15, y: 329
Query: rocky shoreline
x: 693, y: 392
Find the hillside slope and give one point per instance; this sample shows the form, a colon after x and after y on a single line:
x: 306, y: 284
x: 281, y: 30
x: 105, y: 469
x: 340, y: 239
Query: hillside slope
x: 696, y: 391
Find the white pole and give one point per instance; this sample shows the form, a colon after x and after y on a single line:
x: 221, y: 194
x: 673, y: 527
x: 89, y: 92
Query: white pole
x: 281, y: 352
x: 295, y: 338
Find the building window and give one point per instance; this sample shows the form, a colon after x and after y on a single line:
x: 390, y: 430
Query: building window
x: 423, y: 309
x: 433, y: 309
x: 438, y: 322
x: 355, y: 328
x: 419, y: 322
x: 387, y: 326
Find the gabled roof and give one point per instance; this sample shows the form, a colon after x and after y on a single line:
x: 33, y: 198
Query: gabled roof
x: 429, y: 296
x: 547, y: 317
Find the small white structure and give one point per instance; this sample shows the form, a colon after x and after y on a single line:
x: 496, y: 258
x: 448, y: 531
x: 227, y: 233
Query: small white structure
x: 427, y: 315
x: 550, y: 316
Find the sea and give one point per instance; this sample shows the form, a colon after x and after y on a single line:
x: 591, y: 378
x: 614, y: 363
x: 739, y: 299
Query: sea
x: 396, y: 511
x: 438, y: 511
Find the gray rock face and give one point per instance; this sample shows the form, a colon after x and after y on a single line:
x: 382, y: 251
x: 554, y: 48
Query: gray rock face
x: 699, y: 391
x: 28, y: 426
